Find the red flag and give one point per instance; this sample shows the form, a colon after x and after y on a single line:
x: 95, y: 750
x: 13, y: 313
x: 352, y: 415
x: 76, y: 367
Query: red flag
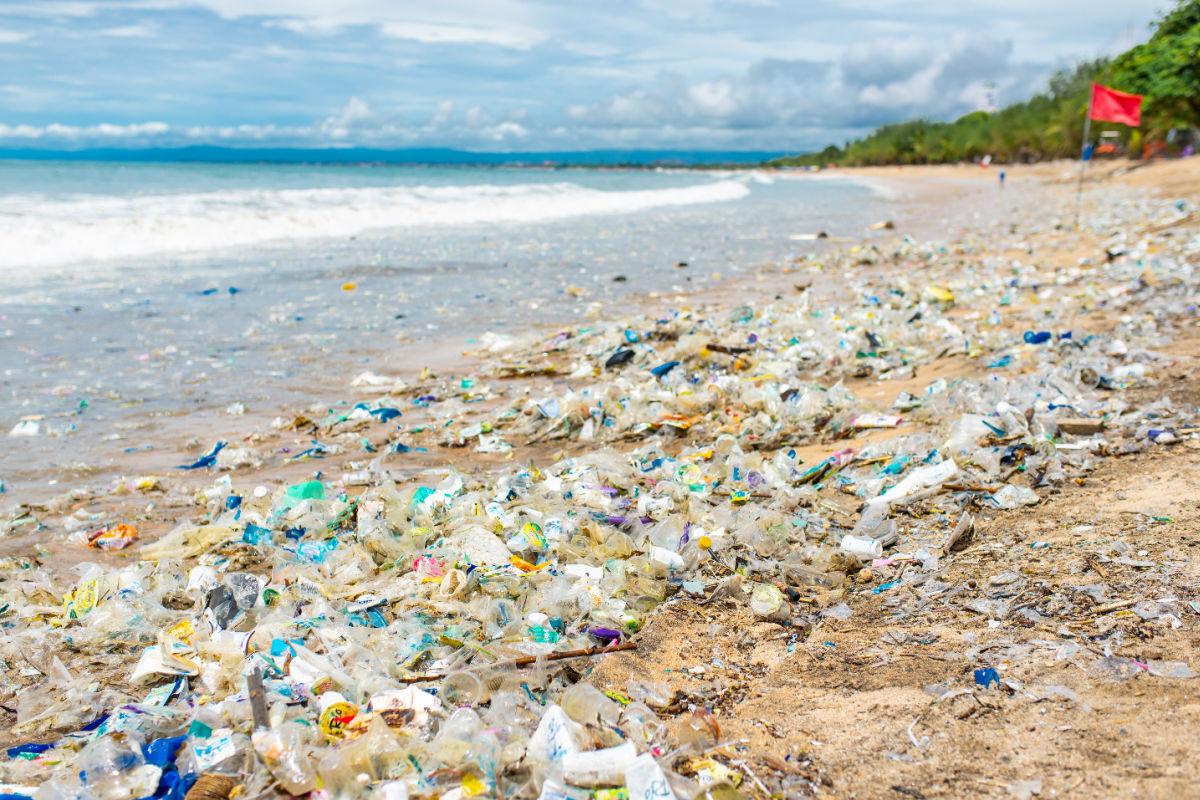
x: 1109, y: 105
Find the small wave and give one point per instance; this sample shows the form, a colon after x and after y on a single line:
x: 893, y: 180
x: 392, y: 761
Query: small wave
x: 41, y: 231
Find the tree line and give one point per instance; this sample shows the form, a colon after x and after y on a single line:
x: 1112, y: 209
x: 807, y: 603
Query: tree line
x: 1165, y: 69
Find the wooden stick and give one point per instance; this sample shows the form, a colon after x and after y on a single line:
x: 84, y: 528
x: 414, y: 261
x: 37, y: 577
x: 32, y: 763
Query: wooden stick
x: 1107, y: 607
x: 527, y: 660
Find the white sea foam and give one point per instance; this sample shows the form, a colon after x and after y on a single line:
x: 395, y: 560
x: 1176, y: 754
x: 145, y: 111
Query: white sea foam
x: 40, y: 231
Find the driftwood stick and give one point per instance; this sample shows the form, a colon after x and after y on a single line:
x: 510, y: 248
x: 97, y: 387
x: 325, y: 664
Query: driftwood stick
x: 526, y: 660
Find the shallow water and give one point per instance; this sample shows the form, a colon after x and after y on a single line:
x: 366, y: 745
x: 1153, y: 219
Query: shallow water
x: 114, y: 353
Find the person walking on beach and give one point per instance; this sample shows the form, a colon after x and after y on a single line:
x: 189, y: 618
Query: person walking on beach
x: 1001, y: 179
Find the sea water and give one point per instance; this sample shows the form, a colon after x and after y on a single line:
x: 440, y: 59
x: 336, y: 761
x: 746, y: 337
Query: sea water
x: 139, y: 296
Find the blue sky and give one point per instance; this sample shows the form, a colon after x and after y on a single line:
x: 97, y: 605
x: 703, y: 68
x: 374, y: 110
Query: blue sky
x: 524, y: 75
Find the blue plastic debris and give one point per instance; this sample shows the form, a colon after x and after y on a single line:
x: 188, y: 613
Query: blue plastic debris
x: 30, y: 749
x: 986, y: 676
x: 663, y: 369
x: 208, y: 459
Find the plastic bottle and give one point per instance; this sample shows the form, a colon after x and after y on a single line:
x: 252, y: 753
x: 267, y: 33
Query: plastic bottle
x: 874, y: 524
x: 698, y: 731
x: 767, y: 602
x: 111, y: 769
x: 283, y: 751
x: 586, y: 704
x: 344, y: 771
x: 863, y: 547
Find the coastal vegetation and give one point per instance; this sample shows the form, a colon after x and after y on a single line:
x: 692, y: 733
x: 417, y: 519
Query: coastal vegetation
x: 1165, y: 69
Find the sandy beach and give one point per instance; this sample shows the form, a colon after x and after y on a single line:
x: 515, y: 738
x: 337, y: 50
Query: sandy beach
x: 1080, y: 596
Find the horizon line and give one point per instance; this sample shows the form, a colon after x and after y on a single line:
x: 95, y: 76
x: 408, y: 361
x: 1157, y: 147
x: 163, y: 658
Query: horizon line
x: 402, y: 155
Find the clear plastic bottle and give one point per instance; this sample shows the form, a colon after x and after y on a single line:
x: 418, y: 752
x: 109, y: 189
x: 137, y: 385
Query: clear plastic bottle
x: 346, y: 770
x: 113, y: 770
x: 586, y: 704
x: 284, y: 752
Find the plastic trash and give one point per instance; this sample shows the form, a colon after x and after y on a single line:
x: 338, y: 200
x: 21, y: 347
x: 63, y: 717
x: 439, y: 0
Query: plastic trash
x: 285, y: 755
x: 412, y: 626
x: 596, y: 768
x: 917, y: 483
x: 645, y: 778
x: 767, y: 602
x: 863, y: 547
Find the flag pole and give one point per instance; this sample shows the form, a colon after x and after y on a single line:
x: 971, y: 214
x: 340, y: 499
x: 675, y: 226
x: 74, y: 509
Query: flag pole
x: 1087, y: 129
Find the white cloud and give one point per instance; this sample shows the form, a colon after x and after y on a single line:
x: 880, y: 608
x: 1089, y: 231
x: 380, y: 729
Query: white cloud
x: 771, y: 91
x: 874, y: 82
x: 505, y: 23
x: 476, y: 72
x: 102, y: 130
x: 142, y: 30
x: 356, y: 123
x: 53, y: 8
x: 441, y: 115
x: 714, y: 98
x: 884, y: 60
x: 505, y: 130
x: 476, y: 117
x: 318, y: 26
x: 515, y: 37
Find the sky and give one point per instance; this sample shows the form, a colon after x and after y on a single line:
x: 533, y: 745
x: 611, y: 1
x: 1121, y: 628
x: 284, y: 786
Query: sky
x: 526, y: 75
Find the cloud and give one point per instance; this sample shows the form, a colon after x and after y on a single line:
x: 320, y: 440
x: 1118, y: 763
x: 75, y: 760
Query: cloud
x: 356, y: 123
x: 795, y: 70
x: 884, y: 60
x: 973, y: 57
x: 503, y: 23
x: 516, y: 37
x: 305, y: 26
x: 476, y: 117
x: 950, y: 82
x: 884, y: 80
x: 522, y: 73
x: 482, y: 125
x: 441, y: 114
x: 768, y: 91
x: 74, y: 132
x: 504, y: 131
x: 142, y: 30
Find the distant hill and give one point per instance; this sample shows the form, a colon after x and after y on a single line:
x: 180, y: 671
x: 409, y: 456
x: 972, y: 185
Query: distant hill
x: 412, y: 156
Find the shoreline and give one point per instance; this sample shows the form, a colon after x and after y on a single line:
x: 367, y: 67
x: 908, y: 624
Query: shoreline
x: 406, y: 353
x: 921, y: 195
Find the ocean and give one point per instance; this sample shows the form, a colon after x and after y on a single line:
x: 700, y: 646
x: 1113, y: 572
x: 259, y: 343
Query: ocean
x: 142, y: 298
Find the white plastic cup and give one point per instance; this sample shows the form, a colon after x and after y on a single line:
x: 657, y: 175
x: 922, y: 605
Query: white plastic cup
x: 664, y: 558
x: 201, y: 581
x: 862, y: 547
x: 462, y: 688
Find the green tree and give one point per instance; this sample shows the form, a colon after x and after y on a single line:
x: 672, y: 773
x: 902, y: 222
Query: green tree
x: 1166, y: 69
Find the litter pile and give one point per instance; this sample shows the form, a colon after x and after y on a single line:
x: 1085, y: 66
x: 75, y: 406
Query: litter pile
x: 428, y: 641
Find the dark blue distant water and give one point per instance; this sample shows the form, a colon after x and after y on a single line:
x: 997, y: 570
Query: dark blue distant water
x: 429, y: 155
